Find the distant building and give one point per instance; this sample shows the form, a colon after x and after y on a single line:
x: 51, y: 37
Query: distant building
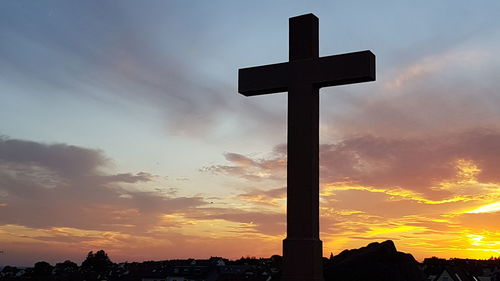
x: 455, y: 274
x: 232, y: 277
x: 190, y: 270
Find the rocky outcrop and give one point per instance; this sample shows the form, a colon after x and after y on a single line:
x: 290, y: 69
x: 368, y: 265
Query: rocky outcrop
x: 377, y: 261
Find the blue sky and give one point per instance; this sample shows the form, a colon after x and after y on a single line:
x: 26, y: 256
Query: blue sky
x: 151, y: 87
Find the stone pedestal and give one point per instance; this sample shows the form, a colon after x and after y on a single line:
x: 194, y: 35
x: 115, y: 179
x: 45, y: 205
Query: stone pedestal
x: 301, y: 259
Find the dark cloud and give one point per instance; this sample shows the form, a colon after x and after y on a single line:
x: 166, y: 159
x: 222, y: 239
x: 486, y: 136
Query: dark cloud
x: 239, y: 159
x: 418, y: 164
x: 49, y: 185
x: 273, y: 167
x: 59, y: 158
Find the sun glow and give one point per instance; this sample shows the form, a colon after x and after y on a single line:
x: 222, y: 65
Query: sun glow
x: 475, y: 239
x: 490, y: 208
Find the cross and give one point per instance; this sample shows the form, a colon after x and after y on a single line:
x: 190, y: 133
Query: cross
x: 302, y: 76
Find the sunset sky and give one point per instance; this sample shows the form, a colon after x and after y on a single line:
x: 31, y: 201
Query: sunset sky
x: 121, y: 129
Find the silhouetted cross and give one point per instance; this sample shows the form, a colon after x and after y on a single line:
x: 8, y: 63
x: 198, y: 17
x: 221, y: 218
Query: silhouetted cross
x: 302, y: 77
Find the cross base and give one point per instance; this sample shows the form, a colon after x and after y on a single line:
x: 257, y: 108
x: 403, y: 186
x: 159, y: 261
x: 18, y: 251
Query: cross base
x: 302, y: 260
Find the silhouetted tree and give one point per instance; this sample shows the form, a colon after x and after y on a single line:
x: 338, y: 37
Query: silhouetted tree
x: 9, y: 271
x: 96, y: 266
x: 66, y: 270
x: 42, y: 271
x: 99, y: 261
x: 276, y: 261
x: 247, y: 261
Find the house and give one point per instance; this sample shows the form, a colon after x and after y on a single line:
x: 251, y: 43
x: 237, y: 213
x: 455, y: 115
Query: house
x: 195, y: 270
x: 175, y: 278
x: 455, y: 274
x: 490, y: 274
x: 245, y: 277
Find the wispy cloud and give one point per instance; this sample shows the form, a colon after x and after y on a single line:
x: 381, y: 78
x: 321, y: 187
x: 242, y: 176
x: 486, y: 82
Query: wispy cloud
x: 436, y: 65
x: 110, y: 58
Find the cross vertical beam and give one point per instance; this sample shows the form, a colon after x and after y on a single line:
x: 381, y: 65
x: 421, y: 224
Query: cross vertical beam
x: 302, y: 249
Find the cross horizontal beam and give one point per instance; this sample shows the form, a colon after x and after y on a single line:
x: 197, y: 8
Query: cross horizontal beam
x: 321, y: 72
